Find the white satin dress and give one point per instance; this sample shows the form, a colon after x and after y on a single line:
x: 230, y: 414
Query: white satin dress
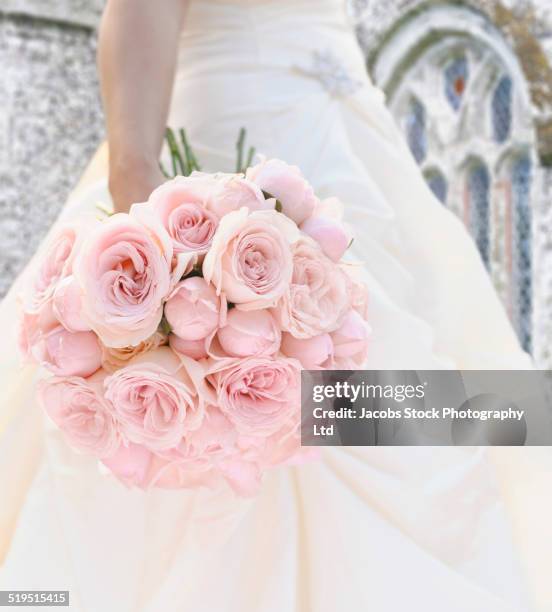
x: 363, y: 529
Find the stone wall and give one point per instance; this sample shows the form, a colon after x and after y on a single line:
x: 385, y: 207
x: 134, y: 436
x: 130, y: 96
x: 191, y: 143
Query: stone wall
x: 80, y: 12
x: 50, y: 119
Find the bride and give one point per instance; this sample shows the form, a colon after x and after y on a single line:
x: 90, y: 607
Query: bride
x: 380, y: 529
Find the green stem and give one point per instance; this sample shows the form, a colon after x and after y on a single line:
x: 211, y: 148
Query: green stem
x: 239, y: 147
x: 250, y: 155
x: 103, y: 208
x: 188, y: 152
x: 164, y: 170
x: 175, y: 153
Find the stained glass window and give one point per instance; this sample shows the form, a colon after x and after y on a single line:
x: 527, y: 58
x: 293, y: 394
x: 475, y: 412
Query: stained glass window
x: 478, y: 190
x: 456, y: 78
x: 464, y: 111
x: 501, y: 109
x: 416, y: 130
x: 438, y: 184
x: 521, y: 260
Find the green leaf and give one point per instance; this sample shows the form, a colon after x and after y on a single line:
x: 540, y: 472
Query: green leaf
x: 165, y: 326
x: 196, y: 271
x: 268, y: 196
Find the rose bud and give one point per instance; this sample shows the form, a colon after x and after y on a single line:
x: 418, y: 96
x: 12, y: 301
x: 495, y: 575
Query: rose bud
x: 249, y: 333
x: 330, y: 235
x: 351, y: 341
x: 232, y: 192
x: 69, y: 354
x: 193, y: 309
x: 287, y: 185
x: 195, y: 349
x: 67, y: 305
x: 313, y: 353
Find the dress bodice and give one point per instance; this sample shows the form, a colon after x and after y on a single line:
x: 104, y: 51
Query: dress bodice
x: 244, y: 62
x: 243, y: 35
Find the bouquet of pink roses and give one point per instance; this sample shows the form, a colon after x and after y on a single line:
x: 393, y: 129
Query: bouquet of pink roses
x: 176, y: 333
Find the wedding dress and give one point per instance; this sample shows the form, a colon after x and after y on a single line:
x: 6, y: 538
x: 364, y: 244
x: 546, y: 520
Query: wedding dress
x: 382, y: 529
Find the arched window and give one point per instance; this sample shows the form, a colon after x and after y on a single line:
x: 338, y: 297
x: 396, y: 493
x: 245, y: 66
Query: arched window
x: 521, y: 272
x: 416, y: 129
x: 437, y: 183
x: 479, y: 208
x: 458, y: 91
x: 501, y: 109
x: 456, y: 78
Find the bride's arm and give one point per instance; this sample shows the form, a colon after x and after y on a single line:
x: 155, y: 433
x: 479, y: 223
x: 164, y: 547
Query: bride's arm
x: 137, y: 53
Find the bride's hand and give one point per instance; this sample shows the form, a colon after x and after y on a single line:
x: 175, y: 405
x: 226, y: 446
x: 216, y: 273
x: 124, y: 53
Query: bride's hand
x: 133, y: 184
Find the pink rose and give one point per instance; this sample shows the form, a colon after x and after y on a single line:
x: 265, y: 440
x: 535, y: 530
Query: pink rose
x: 358, y: 292
x: 56, y: 262
x: 78, y: 408
x: 215, y: 438
x: 249, y: 333
x: 317, y: 300
x: 233, y: 192
x: 250, y: 258
x: 131, y: 464
x: 196, y: 349
x: 136, y: 466
x: 193, y: 309
x: 313, y: 353
x: 214, y: 447
x: 213, y: 441
x: 329, y: 234
x: 182, y: 207
x: 68, y: 354
x: 155, y: 400
x: 287, y: 184
x: 32, y: 327
x: 115, y: 358
x: 351, y: 342
x: 67, y: 305
x: 123, y: 269
x: 259, y: 395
